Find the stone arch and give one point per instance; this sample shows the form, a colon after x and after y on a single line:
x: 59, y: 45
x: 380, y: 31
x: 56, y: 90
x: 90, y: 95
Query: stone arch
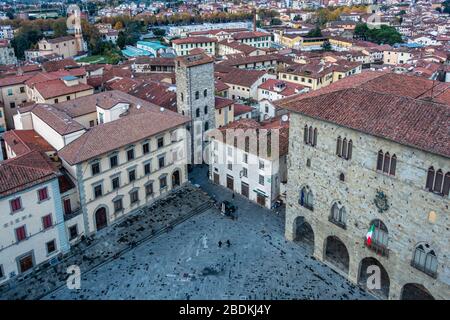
x: 336, y: 253
x: 378, y: 286
x: 101, y: 217
x: 304, y: 234
x: 415, y: 291
x: 176, y: 178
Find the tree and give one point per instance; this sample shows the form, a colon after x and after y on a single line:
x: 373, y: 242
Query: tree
x: 118, y: 25
x: 326, y: 46
x: 60, y: 28
x: 381, y: 35
x: 275, y: 22
x: 159, y: 32
x: 314, y: 33
x: 446, y: 5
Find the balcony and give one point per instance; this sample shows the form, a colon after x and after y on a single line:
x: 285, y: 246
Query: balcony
x: 74, y: 213
x: 378, y: 248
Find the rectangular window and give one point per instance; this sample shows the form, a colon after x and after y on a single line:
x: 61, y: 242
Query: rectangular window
x: 261, y: 164
x: 261, y: 180
x: 2, y: 274
x: 22, y: 89
x: 21, y: 233
x: 115, y: 183
x: 230, y: 151
x: 73, y: 232
x: 98, y: 191
x: 230, y: 166
x: 132, y: 175
x: 134, y: 196
x: 147, y: 168
x: 91, y: 123
x: 16, y: 205
x: 245, y: 158
x: 149, y: 189
x: 10, y: 92
x: 161, y: 162
x: 244, y: 172
x: 47, y: 221
x: 42, y: 194
x: 145, y: 148
x: 95, y: 168
x: 162, y: 182
x: 51, y: 246
x: 118, y: 205
x: 113, y: 161
x: 160, y: 142
x: 130, y: 154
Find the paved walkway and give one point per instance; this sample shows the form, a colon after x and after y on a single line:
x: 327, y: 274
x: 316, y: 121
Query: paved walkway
x: 187, y: 262
x: 107, y: 245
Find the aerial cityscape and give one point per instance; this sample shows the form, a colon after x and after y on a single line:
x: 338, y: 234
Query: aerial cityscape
x: 225, y: 150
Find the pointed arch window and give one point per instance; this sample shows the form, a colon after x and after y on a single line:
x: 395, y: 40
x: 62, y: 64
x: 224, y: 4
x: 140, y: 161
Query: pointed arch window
x: 430, y: 179
x: 197, y: 112
x: 197, y: 95
x: 438, y: 181
x: 306, y: 198
x: 206, y: 110
x: 338, y: 214
x: 305, y: 134
x: 387, y: 162
x: 425, y: 259
x: 380, y: 160
x: 339, y: 146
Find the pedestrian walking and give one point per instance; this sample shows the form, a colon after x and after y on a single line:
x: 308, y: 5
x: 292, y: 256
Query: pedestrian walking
x: 228, y: 243
x: 220, y: 244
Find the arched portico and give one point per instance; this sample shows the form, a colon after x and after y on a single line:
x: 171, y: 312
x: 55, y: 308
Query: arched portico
x: 373, y: 277
x: 336, y: 253
x: 415, y: 291
x: 101, y: 218
x: 304, y: 234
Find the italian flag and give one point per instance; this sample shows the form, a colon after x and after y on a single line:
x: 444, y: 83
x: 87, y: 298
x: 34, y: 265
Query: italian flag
x: 369, y: 234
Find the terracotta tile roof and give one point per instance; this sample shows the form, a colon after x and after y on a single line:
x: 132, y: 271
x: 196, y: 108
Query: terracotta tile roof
x: 95, y: 81
x: 25, y: 171
x: 50, y: 66
x: 241, y: 109
x: 249, y: 34
x: 14, y: 80
x: 156, y: 61
x: 57, y: 87
x: 286, y: 88
x: 220, y: 86
x: 138, y: 125
x: 408, y: 121
x: 58, y: 120
x: 160, y: 94
x: 23, y: 141
x: 47, y: 76
x: 276, y: 124
x: 242, y: 77
x: 198, y: 39
x: 239, y: 46
x: 194, y: 59
x: 222, y: 102
x: 60, y: 39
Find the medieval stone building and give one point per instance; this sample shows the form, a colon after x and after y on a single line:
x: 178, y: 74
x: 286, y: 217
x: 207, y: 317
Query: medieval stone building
x: 195, y: 98
x: 373, y: 153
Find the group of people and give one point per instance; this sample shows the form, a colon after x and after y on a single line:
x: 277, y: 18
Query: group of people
x: 228, y: 243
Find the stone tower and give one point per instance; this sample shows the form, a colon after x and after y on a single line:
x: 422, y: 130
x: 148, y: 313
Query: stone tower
x: 196, y: 99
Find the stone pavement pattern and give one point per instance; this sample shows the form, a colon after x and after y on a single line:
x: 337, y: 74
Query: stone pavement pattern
x: 187, y: 262
x: 110, y: 243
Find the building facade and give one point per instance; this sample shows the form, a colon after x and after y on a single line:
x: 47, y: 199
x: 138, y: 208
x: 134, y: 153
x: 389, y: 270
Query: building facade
x: 195, y: 98
x: 347, y: 179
